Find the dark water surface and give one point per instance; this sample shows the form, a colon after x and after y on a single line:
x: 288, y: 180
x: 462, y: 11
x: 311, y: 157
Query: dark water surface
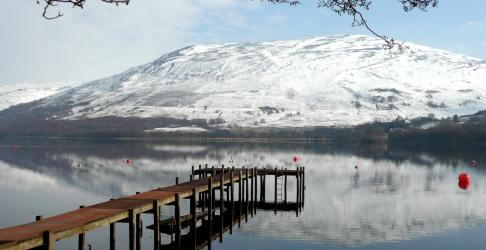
x: 397, y: 199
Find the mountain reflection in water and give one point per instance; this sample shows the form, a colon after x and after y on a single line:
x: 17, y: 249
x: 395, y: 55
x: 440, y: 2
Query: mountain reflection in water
x: 393, y: 196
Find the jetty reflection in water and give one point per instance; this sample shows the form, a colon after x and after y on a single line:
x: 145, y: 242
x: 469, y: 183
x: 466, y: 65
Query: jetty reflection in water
x: 396, y: 198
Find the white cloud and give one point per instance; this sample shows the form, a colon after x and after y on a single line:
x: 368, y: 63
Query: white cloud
x: 216, y: 3
x: 277, y: 19
x: 458, y: 48
x: 473, y: 25
x: 234, y: 24
x: 95, y: 42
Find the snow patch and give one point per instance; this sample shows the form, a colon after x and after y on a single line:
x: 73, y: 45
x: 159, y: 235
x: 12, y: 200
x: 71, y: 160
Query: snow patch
x: 177, y: 129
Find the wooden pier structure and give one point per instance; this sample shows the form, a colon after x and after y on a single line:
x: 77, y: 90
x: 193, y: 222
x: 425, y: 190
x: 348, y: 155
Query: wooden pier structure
x: 216, y: 216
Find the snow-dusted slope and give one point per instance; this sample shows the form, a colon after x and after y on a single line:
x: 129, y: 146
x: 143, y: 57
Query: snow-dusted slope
x: 337, y: 80
x: 16, y: 93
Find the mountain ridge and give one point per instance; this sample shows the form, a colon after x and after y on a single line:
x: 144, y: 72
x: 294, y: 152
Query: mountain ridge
x: 321, y: 81
x: 24, y: 92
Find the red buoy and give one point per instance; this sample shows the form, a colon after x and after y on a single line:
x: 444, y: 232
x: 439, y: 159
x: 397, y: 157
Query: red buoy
x: 295, y: 159
x: 463, y: 181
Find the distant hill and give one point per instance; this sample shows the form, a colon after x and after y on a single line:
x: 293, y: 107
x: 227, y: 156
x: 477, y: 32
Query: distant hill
x: 15, y: 93
x: 335, y: 81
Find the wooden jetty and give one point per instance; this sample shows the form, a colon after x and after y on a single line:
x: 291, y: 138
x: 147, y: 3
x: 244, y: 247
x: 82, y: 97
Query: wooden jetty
x: 217, y: 215
x: 225, y: 225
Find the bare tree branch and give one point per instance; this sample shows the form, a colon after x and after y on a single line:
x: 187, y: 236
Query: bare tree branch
x: 409, y: 5
x: 351, y: 8
x: 74, y: 3
x: 347, y: 7
x: 291, y: 2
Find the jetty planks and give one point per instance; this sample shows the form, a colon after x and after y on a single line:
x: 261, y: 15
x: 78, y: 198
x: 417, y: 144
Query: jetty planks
x: 123, y: 209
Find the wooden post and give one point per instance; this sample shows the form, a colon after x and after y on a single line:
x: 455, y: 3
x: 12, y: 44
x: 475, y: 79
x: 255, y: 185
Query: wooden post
x: 177, y: 180
x: 252, y: 175
x: 81, y: 238
x: 300, y: 185
x: 210, y: 211
x: 243, y: 191
x: 112, y: 236
x: 285, y: 188
x: 47, y: 240
x: 261, y: 188
x: 131, y: 229
x: 243, y: 187
x: 228, y: 187
x: 193, y: 218
x: 213, y: 195
x: 256, y: 190
x: 276, y: 190
x: 300, y: 188
x: 199, y: 177
x: 240, y: 196
x: 303, y: 186
x: 178, y: 221
x: 155, y: 208
x: 232, y: 198
x: 138, y: 231
x: 222, y: 185
x: 247, y: 181
x: 38, y: 218
x: 247, y: 189
x: 202, y: 196
x: 221, y: 206
x: 297, y: 199
x: 205, y: 195
x: 192, y: 170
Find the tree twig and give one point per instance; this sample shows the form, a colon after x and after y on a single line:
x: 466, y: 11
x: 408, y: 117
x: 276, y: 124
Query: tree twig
x: 75, y: 3
x: 351, y: 7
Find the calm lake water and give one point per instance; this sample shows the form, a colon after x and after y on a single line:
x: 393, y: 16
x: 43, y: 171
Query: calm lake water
x: 398, y: 198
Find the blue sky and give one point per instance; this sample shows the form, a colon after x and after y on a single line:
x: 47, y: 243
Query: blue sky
x: 102, y: 39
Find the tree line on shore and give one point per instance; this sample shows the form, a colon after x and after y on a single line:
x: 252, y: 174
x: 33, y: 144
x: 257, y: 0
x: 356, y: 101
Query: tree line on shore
x: 464, y: 129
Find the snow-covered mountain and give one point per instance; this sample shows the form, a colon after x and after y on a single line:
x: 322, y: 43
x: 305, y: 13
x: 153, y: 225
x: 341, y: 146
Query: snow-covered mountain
x: 323, y: 81
x: 16, y: 93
